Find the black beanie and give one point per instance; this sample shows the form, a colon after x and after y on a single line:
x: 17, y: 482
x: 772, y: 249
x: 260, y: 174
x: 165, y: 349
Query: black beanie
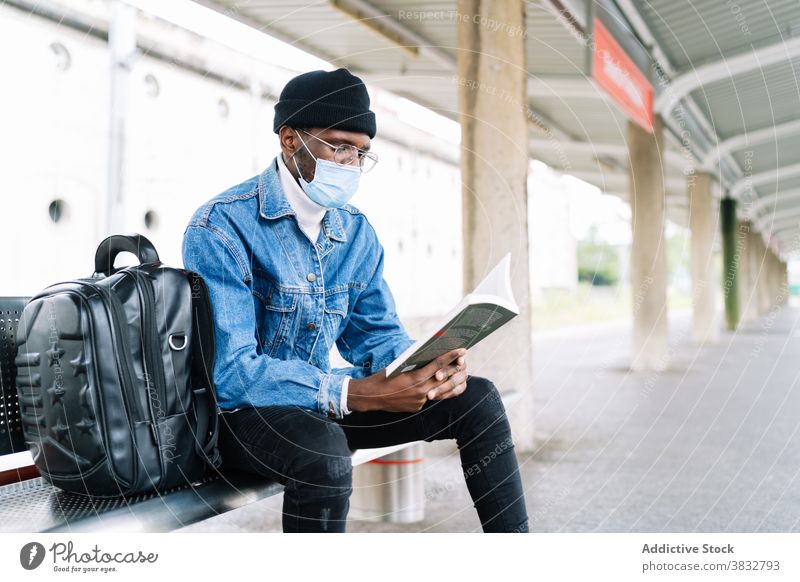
x: 336, y: 99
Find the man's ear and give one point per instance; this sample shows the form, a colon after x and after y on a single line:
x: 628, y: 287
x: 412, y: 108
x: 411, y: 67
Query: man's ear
x: 288, y: 140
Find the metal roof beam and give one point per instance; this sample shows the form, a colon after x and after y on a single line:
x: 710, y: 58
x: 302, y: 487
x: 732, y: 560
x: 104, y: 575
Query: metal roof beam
x: 750, y: 183
x: 643, y: 31
x: 780, y: 232
x: 552, y: 87
x: 672, y: 158
x: 788, y: 241
x: 233, y: 11
x: 749, y: 139
x: 619, y: 181
x: 775, y: 220
x: 387, y: 26
x: 763, y: 202
x: 725, y: 68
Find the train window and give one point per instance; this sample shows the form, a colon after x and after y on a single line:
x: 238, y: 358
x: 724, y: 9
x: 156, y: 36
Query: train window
x: 223, y: 109
x: 57, y: 210
x: 151, y: 220
x: 61, y: 56
x: 152, y: 88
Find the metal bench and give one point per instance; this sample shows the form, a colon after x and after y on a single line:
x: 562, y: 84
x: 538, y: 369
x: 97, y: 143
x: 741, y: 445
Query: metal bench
x: 28, y: 503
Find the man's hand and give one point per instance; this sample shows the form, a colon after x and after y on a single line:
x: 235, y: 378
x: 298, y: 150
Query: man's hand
x: 451, y: 383
x: 445, y: 377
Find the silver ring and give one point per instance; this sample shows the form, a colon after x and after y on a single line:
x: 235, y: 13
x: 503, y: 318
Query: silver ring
x: 172, y: 344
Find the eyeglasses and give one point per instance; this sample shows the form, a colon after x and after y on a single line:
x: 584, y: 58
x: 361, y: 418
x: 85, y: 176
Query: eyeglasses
x: 344, y: 154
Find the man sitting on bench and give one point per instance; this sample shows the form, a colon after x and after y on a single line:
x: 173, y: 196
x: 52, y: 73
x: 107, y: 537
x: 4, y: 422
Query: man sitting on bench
x: 291, y: 268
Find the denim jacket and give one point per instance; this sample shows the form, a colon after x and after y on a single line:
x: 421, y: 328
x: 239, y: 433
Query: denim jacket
x: 280, y: 302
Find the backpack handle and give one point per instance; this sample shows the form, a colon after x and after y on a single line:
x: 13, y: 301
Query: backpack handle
x: 134, y: 243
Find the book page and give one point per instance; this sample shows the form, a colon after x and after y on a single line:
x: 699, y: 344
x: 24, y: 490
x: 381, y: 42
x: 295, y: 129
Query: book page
x: 498, y: 281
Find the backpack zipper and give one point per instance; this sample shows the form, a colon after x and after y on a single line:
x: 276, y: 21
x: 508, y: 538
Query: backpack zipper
x: 117, y: 316
x: 154, y: 367
x: 122, y: 355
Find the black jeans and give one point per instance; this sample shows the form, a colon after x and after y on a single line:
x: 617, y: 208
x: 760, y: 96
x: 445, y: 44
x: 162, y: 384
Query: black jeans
x: 309, y: 453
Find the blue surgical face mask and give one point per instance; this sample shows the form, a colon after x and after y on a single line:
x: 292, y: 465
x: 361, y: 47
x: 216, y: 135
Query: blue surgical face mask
x: 333, y: 185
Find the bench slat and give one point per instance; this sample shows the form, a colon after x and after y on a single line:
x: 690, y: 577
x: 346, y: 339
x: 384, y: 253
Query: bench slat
x: 35, y: 505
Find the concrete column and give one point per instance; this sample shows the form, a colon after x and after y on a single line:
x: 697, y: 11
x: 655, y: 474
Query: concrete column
x: 751, y: 269
x: 756, y: 268
x: 493, y: 113
x: 773, y: 283
x: 648, y: 259
x: 773, y: 275
x: 785, y: 282
x: 781, y: 283
x: 769, y: 276
x: 702, y: 225
x: 762, y: 286
x: 730, y: 260
x: 742, y: 260
x: 775, y: 279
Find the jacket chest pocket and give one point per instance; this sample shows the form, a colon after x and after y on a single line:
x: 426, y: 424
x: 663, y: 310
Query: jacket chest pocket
x: 336, y: 305
x: 279, y: 308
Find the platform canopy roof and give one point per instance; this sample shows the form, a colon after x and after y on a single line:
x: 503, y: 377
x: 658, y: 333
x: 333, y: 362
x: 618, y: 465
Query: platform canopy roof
x: 724, y: 75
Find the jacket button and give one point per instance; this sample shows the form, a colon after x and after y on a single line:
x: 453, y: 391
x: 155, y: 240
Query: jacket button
x: 311, y: 277
x: 311, y: 325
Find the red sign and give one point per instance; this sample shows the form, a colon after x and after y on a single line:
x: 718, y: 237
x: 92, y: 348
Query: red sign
x: 617, y: 74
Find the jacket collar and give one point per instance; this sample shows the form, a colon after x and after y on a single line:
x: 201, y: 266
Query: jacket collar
x: 273, y: 203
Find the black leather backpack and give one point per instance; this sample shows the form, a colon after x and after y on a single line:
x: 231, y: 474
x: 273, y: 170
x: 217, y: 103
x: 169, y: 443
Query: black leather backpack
x: 114, y: 377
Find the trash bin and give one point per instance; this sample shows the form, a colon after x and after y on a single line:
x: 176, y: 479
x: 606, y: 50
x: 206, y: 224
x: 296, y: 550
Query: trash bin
x: 390, y: 489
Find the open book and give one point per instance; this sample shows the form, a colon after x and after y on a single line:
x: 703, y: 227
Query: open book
x: 490, y: 306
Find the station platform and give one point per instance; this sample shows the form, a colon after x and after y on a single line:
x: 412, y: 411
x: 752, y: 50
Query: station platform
x: 709, y: 445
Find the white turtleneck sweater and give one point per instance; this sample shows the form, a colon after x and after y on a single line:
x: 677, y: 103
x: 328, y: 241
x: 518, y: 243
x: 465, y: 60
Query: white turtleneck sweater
x: 309, y: 217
